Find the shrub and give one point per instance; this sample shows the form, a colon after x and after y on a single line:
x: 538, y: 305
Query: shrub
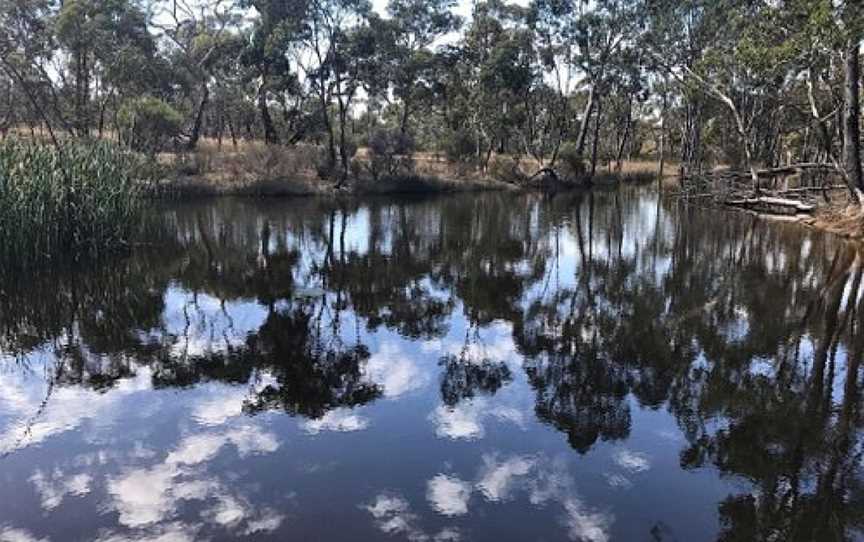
x: 350, y: 149
x: 570, y: 161
x: 148, y: 124
x: 83, y: 199
x: 506, y: 168
x: 459, y: 146
x: 390, y: 153
x: 325, y: 165
x: 277, y: 162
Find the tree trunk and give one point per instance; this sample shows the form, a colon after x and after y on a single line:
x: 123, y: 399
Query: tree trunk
x: 583, y: 127
x: 82, y: 93
x: 403, y: 122
x: 595, y: 140
x: 270, y: 135
x: 199, y: 118
x: 623, y: 142
x: 662, y: 138
x: 852, y: 118
x: 233, y: 133
x: 331, y: 138
x: 343, y: 142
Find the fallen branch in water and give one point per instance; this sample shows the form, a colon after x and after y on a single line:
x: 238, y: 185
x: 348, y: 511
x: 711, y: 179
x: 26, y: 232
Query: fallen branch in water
x: 813, y: 189
x: 772, y: 202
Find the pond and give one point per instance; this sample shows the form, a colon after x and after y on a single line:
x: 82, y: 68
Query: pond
x: 588, y: 366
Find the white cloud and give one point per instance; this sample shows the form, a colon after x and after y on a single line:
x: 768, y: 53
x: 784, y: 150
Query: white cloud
x: 386, y: 505
x: 196, y: 449
x: 631, y: 461
x: 461, y: 422
x: 448, y: 495
x: 395, y: 371
x: 67, y: 409
x: 145, y: 496
x: 267, y: 522
x: 172, y: 532
x: 54, y: 487
x: 500, y: 348
x: 393, y: 516
x: 228, y: 512
x: 497, y: 478
x: 465, y: 421
x: 618, y: 481
x: 586, y: 525
x: 10, y: 534
x: 251, y: 439
x: 341, y: 420
x: 432, y: 346
x: 545, y: 481
x: 229, y: 322
x: 220, y: 407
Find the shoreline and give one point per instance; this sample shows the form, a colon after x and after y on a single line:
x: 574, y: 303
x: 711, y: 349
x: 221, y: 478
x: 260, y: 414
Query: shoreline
x: 198, y: 187
x: 836, y: 218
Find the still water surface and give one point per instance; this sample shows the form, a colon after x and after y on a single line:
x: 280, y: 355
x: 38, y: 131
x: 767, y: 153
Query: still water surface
x: 591, y: 367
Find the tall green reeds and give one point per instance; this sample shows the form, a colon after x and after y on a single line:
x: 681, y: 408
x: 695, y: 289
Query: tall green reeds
x: 57, y: 204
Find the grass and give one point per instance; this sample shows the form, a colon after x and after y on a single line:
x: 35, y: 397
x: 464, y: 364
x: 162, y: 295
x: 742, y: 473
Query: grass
x: 68, y: 203
x: 840, y: 217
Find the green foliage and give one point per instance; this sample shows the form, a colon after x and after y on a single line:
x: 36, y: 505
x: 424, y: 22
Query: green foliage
x: 55, y: 204
x: 148, y: 124
x: 571, y: 163
x: 390, y: 153
x: 459, y: 146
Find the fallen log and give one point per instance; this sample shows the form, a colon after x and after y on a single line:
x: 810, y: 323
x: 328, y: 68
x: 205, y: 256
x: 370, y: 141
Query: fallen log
x: 791, y: 169
x: 813, y: 189
x: 770, y: 203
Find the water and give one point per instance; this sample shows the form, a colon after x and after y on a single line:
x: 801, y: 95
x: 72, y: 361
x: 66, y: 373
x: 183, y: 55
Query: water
x: 594, y: 367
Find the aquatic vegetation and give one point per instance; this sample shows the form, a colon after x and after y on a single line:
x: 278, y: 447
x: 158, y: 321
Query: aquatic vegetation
x: 77, y: 200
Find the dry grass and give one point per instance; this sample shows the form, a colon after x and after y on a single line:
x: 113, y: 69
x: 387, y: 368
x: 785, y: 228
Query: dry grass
x: 251, y: 168
x: 254, y: 168
x: 846, y: 220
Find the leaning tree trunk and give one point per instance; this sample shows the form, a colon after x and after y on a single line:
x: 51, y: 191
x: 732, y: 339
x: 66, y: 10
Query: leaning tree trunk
x: 271, y: 137
x: 623, y: 141
x: 595, y: 140
x: 583, y: 127
x: 662, y: 165
x: 852, y: 118
x: 199, y: 118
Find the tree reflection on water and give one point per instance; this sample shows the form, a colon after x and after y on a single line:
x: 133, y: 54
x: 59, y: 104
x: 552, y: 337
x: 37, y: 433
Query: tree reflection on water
x: 748, y: 334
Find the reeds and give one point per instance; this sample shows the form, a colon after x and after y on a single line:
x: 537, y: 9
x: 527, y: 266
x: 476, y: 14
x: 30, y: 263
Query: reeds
x: 77, y: 201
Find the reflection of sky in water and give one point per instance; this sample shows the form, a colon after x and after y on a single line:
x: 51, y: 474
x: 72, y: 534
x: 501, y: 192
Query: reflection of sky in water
x: 134, y: 461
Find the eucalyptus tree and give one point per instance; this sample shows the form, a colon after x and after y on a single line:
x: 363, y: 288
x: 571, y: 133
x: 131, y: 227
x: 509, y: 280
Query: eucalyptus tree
x: 548, y: 121
x: 334, y: 40
x: 603, y: 35
x: 27, y: 46
x: 852, y: 25
x: 197, y: 37
x: 498, y: 70
x: 276, y: 32
x: 726, y: 68
x: 108, y: 46
x: 415, y: 26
